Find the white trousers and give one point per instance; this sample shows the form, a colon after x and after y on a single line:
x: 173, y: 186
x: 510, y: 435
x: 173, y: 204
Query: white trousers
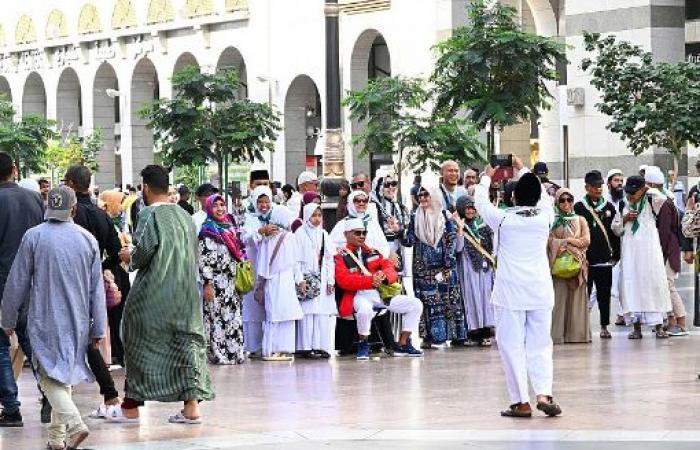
x: 314, y: 332
x: 65, y: 417
x: 525, y: 345
x: 278, y: 337
x: 253, y: 336
x: 410, y: 309
x: 615, y: 290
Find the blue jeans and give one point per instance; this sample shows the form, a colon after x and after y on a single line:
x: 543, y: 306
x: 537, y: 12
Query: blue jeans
x: 8, y: 385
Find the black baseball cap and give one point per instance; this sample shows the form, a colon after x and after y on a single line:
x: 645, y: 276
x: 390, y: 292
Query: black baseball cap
x: 540, y: 168
x: 634, y: 183
x: 594, y: 178
x: 206, y: 189
x: 182, y: 190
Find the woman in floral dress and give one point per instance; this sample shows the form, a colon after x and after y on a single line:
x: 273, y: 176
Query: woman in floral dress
x: 220, y: 251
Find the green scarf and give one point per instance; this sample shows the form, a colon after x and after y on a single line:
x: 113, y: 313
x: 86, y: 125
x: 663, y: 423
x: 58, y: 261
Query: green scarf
x: 562, y: 218
x: 597, y: 207
x: 473, y: 227
x: 639, y: 207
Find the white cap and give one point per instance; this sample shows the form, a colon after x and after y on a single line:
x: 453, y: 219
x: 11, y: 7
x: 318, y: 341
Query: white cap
x: 305, y: 177
x: 354, y: 224
x: 654, y: 175
x: 613, y: 172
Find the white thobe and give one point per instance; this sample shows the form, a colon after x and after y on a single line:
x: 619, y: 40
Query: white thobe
x: 523, y: 293
x: 644, y: 293
x: 253, y: 312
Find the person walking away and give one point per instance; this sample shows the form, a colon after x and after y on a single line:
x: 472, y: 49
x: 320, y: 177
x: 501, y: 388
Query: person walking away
x: 184, y: 194
x: 57, y: 276
x: 165, y: 349
x: 569, y: 237
x: 523, y: 293
x: 616, y: 196
x: 644, y: 287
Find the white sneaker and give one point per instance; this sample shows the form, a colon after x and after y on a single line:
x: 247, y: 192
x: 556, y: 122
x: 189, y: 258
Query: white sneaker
x: 115, y: 414
x: 181, y: 419
x: 100, y: 412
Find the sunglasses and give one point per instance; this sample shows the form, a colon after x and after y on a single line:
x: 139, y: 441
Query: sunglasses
x: 391, y: 184
x: 358, y: 185
x: 423, y: 194
x: 360, y: 201
x: 566, y: 199
x: 360, y: 233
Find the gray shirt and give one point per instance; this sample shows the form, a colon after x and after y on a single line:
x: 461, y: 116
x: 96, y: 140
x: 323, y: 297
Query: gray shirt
x: 58, y: 271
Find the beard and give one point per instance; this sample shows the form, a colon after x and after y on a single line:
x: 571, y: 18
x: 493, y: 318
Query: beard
x: 617, y: 193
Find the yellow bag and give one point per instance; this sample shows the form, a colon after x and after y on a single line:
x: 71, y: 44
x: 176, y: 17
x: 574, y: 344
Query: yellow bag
x: 389, y: 291
x: 566, y: 266
x: 245, y: 281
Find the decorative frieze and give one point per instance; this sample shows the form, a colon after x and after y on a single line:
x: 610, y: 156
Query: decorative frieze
x: 363, y: 6
x: 25, y: 32
x: 124, y: 15
x: 56, y: 26
x: 89, y: 21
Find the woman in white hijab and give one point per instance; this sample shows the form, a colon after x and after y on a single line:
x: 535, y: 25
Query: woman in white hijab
x: 269, y: 313
x: 358, y: 202
x: 435, y: 280
x: 315, y: 277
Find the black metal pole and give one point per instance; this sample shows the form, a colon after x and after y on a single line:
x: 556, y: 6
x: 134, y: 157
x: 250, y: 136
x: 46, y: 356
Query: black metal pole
x: 332, y: 65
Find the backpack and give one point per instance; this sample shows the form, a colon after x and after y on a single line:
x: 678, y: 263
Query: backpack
x: 678, y: 223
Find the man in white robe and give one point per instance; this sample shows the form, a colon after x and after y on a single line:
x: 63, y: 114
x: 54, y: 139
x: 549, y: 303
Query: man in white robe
x: 523, y: 293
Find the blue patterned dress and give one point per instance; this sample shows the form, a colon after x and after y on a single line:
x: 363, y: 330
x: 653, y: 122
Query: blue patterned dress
x: 443, y: 308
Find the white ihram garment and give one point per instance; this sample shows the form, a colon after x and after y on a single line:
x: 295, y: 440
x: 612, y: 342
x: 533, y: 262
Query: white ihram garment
x: 523, y: 294
x: 410, y: 309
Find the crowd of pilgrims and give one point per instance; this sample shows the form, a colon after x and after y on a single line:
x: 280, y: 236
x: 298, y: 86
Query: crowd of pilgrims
x: 272, y: 281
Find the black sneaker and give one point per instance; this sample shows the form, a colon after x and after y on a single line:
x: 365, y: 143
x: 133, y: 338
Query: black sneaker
x: 45, y: 410
x: 11, y: 420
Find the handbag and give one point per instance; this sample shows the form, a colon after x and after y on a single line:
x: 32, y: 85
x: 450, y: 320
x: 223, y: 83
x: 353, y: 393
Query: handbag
x: 259, y: 294
x: 566, y: 266
x: 245, y: 280
x: 387, y: 291
x: 312, y: 280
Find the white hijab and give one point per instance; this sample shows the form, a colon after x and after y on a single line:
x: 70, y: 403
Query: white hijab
x: 430, y: 221
x: 310, y: 238
x: 277, y: 215
x: 352, y: 210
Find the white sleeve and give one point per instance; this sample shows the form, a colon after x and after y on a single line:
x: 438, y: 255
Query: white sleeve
x: 378, y: 239
x: 490, y: 214
x: 337, y: 237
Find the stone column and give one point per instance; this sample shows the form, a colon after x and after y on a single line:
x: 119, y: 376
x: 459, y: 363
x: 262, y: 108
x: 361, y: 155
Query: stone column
x: 333, y: 158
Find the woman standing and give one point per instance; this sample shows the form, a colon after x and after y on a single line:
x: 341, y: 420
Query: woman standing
x: 220, y: 250
x: 435, y: 282
x: 476, y: 270
x: 315, y: 271
x: 343, y: 192
x: 308, y: 197
x: 570, y: 317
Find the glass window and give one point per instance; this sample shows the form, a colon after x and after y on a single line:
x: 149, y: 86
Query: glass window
x: 692, y: 9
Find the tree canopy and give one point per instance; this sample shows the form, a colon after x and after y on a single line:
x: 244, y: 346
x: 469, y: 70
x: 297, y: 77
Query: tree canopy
x: 24, y: 139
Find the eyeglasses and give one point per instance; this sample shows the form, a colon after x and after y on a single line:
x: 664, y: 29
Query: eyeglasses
x: 423, y: 194
x: 360, y: 233
x: 358, y: 185
x: 391, y: 184
x: 566, y: 199
x: 360, y: 201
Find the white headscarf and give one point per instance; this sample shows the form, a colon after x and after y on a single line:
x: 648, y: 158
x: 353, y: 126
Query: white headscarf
x: 430, y: 221
x: 352, y: 210
x: 257, y: 193
x: 311, y: 238
x: 28, y: 183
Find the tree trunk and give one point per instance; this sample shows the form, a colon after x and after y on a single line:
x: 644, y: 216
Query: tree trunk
x: 492, y: 141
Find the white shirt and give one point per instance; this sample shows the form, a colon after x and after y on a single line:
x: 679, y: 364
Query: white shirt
x: 523, y: 278
x: 199, y: 218
x: 294, y: 204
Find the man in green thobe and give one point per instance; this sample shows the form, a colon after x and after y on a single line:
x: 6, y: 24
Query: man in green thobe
x: 163, y: 333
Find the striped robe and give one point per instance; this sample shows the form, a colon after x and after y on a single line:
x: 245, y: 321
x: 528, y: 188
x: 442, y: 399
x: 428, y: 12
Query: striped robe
x: 165, y: 349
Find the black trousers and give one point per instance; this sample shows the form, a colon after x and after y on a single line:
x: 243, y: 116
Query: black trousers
x: 102, y: 375
x: 602, y: 277
x: 115, y: 320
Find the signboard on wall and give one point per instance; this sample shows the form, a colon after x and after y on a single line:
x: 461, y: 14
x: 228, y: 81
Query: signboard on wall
x: 692, y: 52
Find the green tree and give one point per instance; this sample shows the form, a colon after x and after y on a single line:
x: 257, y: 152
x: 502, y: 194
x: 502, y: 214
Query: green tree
x: 206, y: 121
x: 25, y: 139
x: 494, y: 70
x: 394, y: 111
x: 68, y: 151
x: 650, y: 104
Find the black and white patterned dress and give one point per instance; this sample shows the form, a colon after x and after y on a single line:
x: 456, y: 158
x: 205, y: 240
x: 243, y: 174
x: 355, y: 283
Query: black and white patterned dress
x: 223, y: 323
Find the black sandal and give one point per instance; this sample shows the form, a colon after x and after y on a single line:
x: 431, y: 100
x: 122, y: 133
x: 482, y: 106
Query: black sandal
x: 515, y: 411
x: 550, y: 408
x: 605, y: 334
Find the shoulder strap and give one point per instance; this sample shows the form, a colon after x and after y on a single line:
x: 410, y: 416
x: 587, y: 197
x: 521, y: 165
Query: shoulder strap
x: 480, y: 248
x: 600, y: 224
x: 277, y: 247
x: 359, y: 263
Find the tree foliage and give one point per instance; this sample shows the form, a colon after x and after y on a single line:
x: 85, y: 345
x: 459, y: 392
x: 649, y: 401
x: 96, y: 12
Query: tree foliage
x: 24, y: 139
x: 494, y: 70
x: 206, y: 121
x: 650, y: 104
x: 394, y: 110
x: 62, y: 153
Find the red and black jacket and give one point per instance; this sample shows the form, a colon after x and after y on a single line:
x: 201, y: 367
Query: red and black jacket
x: 349, y: 276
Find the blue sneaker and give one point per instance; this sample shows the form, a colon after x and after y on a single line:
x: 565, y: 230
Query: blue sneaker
x: 408, y: 350
x: 363, y: 351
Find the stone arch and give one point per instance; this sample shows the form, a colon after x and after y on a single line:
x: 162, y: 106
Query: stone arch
x: 25, y: 31
x: 231, y: 57
x: 34, y: 96
x: 144, y: 89
x: 197, y: 8
x: 370, y: 59
x: 184, y: 60
x: 56, y: 25
x: 106, y: 113
x: 89, y: 20
x: 69, y: 106
x: 544, y: 16
x: 302, y: 123
x: 160, y: 11
x: 124, y: 15
x: 5, y: 89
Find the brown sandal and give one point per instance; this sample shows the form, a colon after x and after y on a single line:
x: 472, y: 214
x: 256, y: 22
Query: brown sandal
x: 661, y: 334
x: 605, y: 334
x: 636, y: 334
x: 518, y: 410
x: 549, y: 407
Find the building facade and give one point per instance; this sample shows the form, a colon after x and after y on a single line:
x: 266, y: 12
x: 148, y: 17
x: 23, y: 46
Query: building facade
x: 95, y: 64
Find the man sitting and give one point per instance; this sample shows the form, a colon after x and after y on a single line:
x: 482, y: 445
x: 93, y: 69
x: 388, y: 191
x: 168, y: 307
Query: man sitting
x: 359, y: 271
